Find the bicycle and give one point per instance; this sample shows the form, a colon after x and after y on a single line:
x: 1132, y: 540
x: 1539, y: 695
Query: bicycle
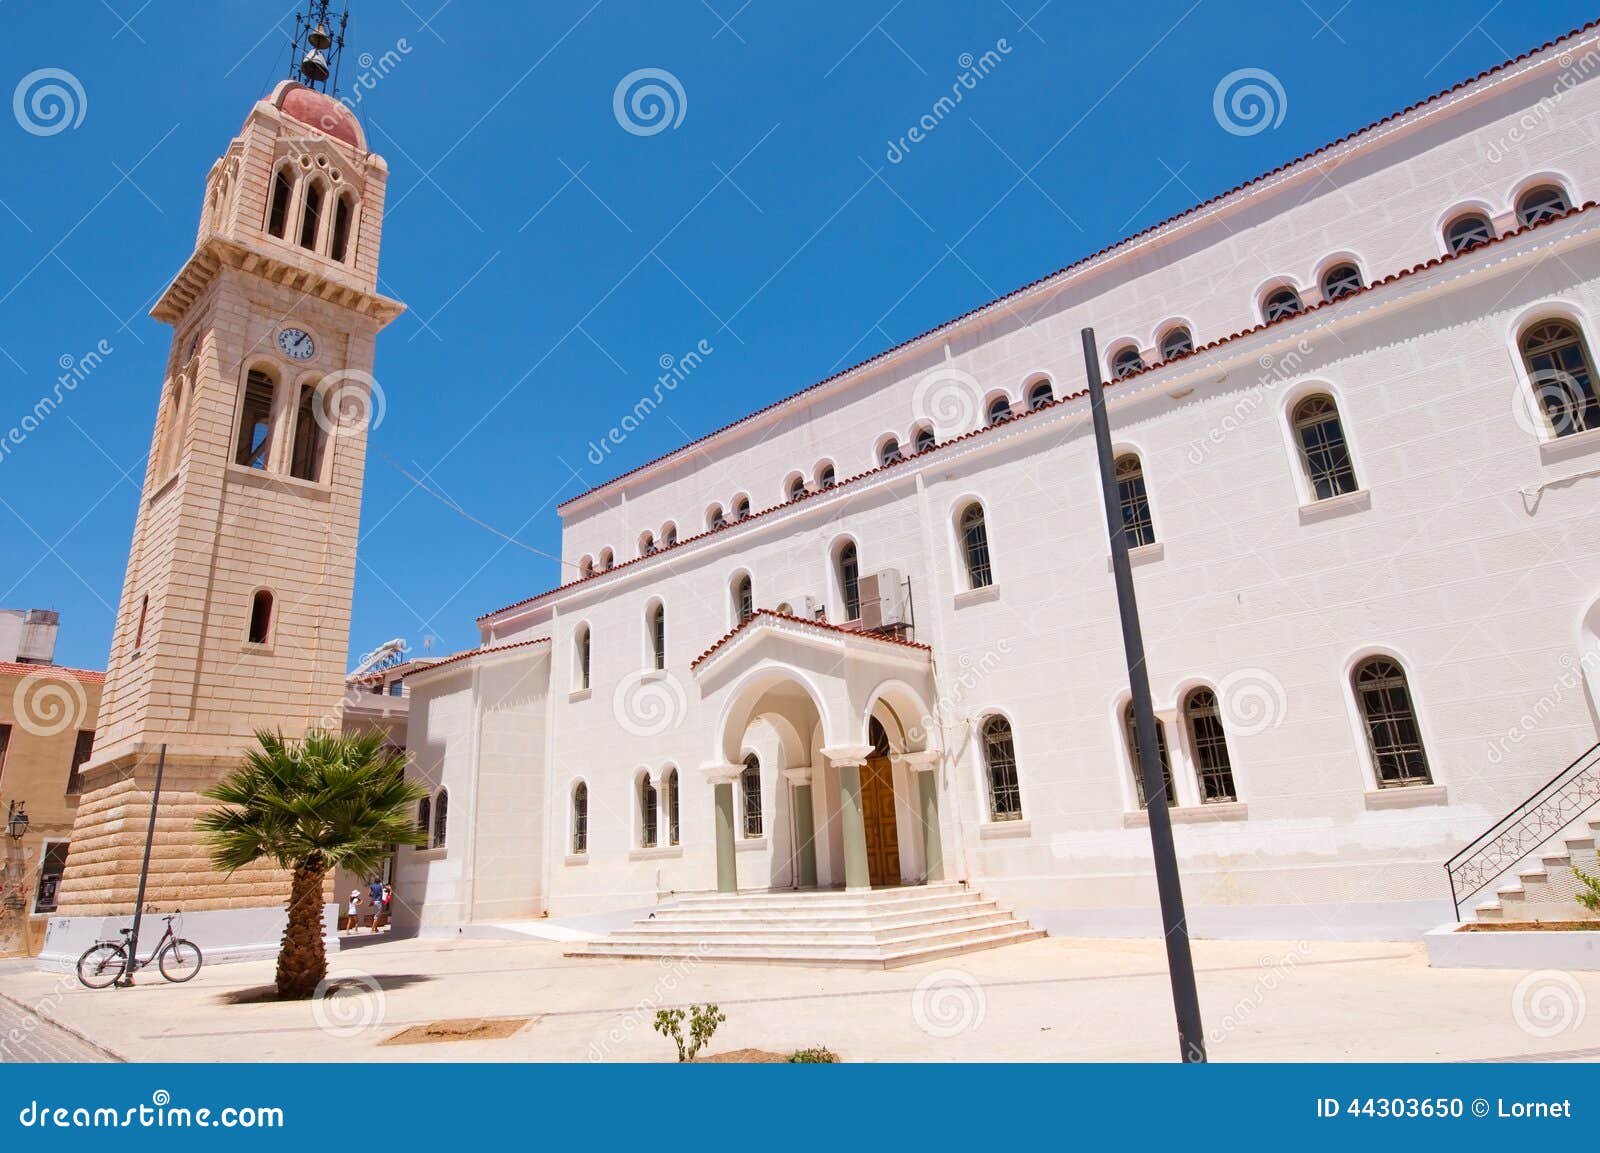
x: 103, y: 963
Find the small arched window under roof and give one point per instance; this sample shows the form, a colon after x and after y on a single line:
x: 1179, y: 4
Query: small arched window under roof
x: 1281, y: 302
x: 999, y: 410
x: 923, y: 438
x: 1542, y: 203
x: 1126, y: 362
x: 1176, y: 341
x: 1341, y: 279
x: 1467, y: 231
x: 889, y: 452
x: 1040, y: 393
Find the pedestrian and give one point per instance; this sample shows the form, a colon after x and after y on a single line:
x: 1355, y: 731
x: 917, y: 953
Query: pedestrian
x: 375, y: 891
x: 352, y: 912
x: 388, y: 898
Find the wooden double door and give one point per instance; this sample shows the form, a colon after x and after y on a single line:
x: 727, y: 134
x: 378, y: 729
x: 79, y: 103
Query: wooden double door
x: 883, y: 832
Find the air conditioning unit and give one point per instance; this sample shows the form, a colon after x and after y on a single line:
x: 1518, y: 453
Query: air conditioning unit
x: 815, y: 608
x: 883, y: 600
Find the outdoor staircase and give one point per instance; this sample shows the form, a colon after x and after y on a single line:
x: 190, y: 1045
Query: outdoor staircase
x: 881, y: 929
x: 1549, y: 892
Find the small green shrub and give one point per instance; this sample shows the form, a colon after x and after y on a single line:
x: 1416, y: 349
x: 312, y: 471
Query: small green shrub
x: 821, y: 1055
x: 1589, y: 898
x: 703, y: 1022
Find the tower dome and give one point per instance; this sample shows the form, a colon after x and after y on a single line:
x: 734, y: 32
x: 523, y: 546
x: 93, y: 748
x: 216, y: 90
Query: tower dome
x: 320, y: 111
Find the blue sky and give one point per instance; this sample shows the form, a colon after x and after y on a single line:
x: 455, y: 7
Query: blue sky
x: 551, y: 258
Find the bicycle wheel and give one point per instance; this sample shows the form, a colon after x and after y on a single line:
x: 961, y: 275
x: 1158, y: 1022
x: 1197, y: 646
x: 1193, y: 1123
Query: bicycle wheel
x: 101, y: 965
x: 180, y: 960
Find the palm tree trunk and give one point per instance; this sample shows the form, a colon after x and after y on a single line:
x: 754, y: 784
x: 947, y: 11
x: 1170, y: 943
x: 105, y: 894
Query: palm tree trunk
x: 302, y: 963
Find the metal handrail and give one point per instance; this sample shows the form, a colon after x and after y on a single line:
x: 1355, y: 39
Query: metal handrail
x: 1515, y: 821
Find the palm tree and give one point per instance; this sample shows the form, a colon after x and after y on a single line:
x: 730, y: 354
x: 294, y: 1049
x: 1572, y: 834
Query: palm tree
x: 332, y: 799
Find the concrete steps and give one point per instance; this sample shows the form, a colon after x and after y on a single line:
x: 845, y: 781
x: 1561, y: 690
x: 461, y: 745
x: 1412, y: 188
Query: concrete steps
x: 881, y: 929
x: 1549, y: 891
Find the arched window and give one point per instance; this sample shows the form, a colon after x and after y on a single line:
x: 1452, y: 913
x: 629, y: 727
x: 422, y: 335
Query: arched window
x: 1131, y: 729
x: 999, y: 410
x: 605, y: 561
x: 1341, y: 280
x: 425, y: 817
x: 1175, y: 342
x: 1040, y: 393
x: 1281, y: 302
x: 669, y: 535
x: 260, y: 617
x: 744, y: 601
x: 750, y: 793
x: 715, y: 519
x: 850, y: 581
x: 1137, y: 527
x: 278, y: 213
x: 310, y: 440
x: 1393, y: 735
x: 647, y: 544
x: 1542, y: 203
x: 255, y: 420
x: 1210, y: 743
x: 669, y: 785
x: 656, y: 626
x: 177, y: 418
x: 825, y: 475
x: 1324, y: 452
x: 1126, y: 362
x: 647, y: 812
x: 311, y: 215
x: 924, y: 438
x: 582, y: 650
x: 889, y: 452
x: 580, y: 819
x: 441, y: 817
x: 344, y: 211
x: 741, y: 507
x: 1562, y: 375
x: 1467, y: 232
x: 1000, y: 765
x: 796, y: 488
x: 975, y: 546
x: 585, y: 566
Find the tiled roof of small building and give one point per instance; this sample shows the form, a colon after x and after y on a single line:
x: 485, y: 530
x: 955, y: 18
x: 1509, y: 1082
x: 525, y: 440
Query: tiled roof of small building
x: 823, y: 626
x: 60, y: 672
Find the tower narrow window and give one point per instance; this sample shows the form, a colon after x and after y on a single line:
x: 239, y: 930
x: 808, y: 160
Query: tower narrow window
x: 750, y: 791
x: 260, y: 617
x: 656, y: 623
x: 138, y: 628
x: 975, y: 546
x: 580, y: 819
x: 850, y: 581
x: 582, y: 655
x: 1393, y: 735
x: 1000, y: 764
x: 278, y: 214
x: 343, y: 213
x: 1137, y: 527
x: 255, y: 421
x: 311, y: 215
x: 1210, y: 743
x: 309, y: 437
x: 1132, y: 731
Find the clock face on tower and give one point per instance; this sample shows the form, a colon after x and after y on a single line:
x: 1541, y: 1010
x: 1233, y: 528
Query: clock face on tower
x: 296, y: 343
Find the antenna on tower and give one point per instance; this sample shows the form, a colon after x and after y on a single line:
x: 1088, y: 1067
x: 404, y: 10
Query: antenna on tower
x: 318, y: 44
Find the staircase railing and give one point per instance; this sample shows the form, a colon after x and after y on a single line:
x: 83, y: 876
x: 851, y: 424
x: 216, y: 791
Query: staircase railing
x: 1551, y: 808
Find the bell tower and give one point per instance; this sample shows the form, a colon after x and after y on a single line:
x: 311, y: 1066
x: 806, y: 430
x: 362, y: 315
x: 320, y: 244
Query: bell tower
x: 235, y: 611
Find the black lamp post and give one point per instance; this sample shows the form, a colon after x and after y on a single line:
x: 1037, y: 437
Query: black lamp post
x: 16, y: 821
x: 1180, y: 962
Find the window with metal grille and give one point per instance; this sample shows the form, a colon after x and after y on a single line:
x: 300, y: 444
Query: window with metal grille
x: 647, y: 544
x: 51, y: 868
x: 1341, y: 280
x: 669, y: 535
x: 1542, y: 203
x: 82, y: 750
x: 1176, y: 342
x: 670, y: 784
x: 850, y: 581
x: 1131, y: 730
x: 999, y: 410
x: 580, y: 819
x: 1210, y: 744
x: 750, y: 793
x: 1040, y: 394
x: 1562, y: 375
x: 647, y: 813
x: 797, y: 487
x: 1324, y: 452
x: 658, y: 636
x: 255, y: 421
x: 714, y: 518
x: 1467, y: 232
x: 441, y: 817
x: 741, y: 508
x: 1280, y: 303
x: 1126, y: 362
x: 1137, y: 527
x: 1000, y: 763
x: 889, y: 452
x: 744, y: 600
x: 825, y: 476
x: 1393, y: 734
x: 975, y: 547
x: 425, y: 815
x: 925, y: 438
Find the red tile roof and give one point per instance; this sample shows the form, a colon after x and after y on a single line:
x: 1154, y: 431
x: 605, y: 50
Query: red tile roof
x: 823, y: 625
x: 1078, y: 264
x: 86, y: 676
x: 1110, y: 384
x: 468, y: 654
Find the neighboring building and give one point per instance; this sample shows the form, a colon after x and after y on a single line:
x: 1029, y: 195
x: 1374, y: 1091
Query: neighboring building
x: 47, y: 726
x: 868, y: 635
x: 236, y: 607
x: 28, y: 636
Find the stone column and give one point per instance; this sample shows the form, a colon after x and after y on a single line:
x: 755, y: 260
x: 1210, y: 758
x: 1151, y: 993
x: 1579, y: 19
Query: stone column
x: 722, y: 778
x: 848, y: 759
x: 924, y: 768
x: 805, y: 829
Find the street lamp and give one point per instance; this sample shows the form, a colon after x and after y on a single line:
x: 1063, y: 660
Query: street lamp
x: 16, y: 821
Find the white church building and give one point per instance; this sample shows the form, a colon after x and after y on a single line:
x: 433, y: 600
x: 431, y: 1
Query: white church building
x: 867, y: 637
